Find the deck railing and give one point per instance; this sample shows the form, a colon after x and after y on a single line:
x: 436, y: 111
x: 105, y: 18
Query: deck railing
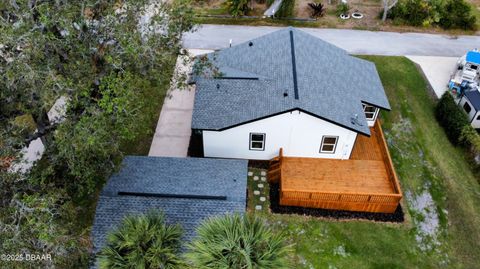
x: 371, y: 202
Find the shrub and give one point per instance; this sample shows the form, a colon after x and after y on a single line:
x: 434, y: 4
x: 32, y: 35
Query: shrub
x: 286, y: 9
x: 457, y: 14
x: 451, y: 118
x: 143, y: 241
x: 235, y: 241
x: 318, y: 9
x: 470, y: 139
x: 342, y: 8
x: 237, y: 7
x: 411, y: 12
x: 450, y: 14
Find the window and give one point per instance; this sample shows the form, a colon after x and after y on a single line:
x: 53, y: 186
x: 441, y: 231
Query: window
x: 467, y: 107
x: 370, y: 112
x: 257, y: 141
x: 329, y: 143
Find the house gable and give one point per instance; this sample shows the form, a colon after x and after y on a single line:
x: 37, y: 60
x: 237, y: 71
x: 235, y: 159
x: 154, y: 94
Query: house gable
x: 297, y: 132
x: 293, y: 70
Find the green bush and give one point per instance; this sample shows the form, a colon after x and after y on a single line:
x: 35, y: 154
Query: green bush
x: 411, y: 12
x: 471, y: 139
x: 451, y: 118
x: 237, y: 7
x: 445, y: 13
x: 286, y: 9
x: 342, y: 8
x: 238, y: 241
x: 143, y: 241
x: 457, y: 14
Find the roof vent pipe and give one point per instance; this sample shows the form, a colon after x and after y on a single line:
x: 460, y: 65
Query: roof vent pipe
x: 285, y: 94
x: 250, y: 44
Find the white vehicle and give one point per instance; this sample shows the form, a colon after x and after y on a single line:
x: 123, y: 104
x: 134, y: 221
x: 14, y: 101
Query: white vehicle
x: 467, y: 72
x: 464, y: 85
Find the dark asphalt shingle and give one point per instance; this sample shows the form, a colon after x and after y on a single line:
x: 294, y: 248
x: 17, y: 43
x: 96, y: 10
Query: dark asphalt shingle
x: 331, y: 84
x: 191, y: 176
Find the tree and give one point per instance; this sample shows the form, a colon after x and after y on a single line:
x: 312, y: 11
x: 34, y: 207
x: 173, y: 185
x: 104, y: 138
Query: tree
x: 387, y: 5
x: 107, y: 60
x: 457, y: 14
x: 143, y: 241
x: 236, y: 241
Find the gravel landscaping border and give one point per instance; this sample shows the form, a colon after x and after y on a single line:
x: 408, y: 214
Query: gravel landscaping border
x: 276, y: 208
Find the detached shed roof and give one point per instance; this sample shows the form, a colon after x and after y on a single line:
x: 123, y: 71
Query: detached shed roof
x: 282, y: 71
x: 187, y: 190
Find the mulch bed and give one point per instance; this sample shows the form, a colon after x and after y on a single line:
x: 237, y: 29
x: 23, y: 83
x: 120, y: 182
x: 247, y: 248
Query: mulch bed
x: 275, y: 207
x: 260, y: 164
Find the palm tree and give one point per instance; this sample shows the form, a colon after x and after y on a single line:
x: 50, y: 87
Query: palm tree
x: 143, y: 241
x: 238, y: 242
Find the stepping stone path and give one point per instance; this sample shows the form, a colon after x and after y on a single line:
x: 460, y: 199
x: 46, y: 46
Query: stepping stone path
x: 263, y: 173
x: 263, y: 179
x: 260, y: 185
x: 255, y: 178
x: 250, y: 174
x: 256, y: 192
x: 258, y: 207
x: 263, y: 199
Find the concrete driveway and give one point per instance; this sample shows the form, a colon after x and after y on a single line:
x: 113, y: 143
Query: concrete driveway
x: 353, y: 41
x: 437, y: 70
x: 172, y: 135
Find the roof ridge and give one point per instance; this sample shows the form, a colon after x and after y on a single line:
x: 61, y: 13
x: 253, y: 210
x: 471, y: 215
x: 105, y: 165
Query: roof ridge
x: 294, y: 65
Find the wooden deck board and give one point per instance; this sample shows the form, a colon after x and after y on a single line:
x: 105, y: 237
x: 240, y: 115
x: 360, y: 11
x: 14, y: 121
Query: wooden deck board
x: 365, y: 171
x: 346, y: 176
x: 365, y: 182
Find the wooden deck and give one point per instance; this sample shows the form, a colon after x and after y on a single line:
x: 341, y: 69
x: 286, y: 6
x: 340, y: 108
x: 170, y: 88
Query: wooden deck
x: 365, y: 182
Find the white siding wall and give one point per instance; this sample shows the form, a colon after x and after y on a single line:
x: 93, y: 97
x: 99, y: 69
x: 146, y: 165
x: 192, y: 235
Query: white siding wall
x: 472, y: 112
x: 475, y: 122
x: 299, y: 135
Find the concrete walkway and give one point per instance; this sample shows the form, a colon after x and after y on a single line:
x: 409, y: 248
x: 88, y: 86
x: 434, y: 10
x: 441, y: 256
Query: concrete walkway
x: 274, y: 7
x: 172, y: 135
x: 437, y: 70
x: 353, y: 41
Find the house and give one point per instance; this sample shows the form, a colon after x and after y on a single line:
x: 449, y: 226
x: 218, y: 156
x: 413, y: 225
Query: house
x: 470, y: 103
x: 187, y: 190
x: 309, y: 108
x: 464, y: 86
x: 286, y: 90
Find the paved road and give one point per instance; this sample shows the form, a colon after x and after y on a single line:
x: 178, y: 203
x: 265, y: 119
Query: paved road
x: 354, y: 41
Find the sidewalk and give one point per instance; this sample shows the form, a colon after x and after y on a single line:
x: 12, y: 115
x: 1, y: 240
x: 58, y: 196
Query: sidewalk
x: 172, y: 135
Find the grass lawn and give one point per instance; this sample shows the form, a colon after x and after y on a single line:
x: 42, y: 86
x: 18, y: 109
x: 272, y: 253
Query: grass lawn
x: 442, y: 195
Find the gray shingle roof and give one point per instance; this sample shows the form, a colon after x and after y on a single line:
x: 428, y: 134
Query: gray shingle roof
x: 179, y: 176
x: 474, y: 98
x: 330, y: 83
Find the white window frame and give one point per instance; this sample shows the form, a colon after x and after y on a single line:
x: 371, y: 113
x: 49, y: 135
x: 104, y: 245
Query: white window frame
x: 251, y: 141
x: 375, y: 114
x: 329, y: 144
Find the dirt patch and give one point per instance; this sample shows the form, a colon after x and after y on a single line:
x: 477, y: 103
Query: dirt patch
x: 217, y: 7
x: 370, y: 10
